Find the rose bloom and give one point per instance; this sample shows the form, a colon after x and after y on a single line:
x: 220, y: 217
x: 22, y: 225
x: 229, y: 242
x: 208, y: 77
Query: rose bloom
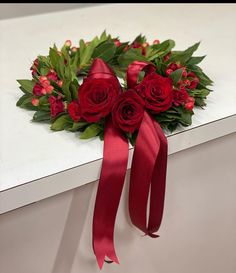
x: 74, y: 110
x: 128, y: 110
x: 180, y: 96
x: 56, y: 105
x: 97, y: 96
x: 157, y: 92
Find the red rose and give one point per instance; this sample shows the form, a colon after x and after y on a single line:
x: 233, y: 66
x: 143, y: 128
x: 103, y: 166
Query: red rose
x: 56, y: 105
x: 74, y: 110
x: 97, y: 96
x: 38, y: 90
x: 180, y: 96
x: 157, y: 92
x: 127, y: 112
x: 52, y: 76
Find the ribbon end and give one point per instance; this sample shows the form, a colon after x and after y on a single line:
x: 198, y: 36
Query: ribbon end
x: 100, y: 261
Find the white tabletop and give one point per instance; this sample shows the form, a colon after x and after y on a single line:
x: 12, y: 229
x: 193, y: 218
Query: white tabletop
x: 29, y: 152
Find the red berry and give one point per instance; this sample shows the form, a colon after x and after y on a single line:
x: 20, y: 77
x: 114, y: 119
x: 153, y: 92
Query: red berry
x: 60, y: 83
x: 173, y: 66
x: 74, y: 49
x: 117, y: 42
x: 42, y: 79
x: 156, y: 42
x: 145, y: 44
x: 68, y: 43
x: 189, y: 106
x: 191, y: 74
x: 168, y: 72
x: 186, y: 82
x: 35, y: 101
x: 184, y: 74
x: 49, y: 89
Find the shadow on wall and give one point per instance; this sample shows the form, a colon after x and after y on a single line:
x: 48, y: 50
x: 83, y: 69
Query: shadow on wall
x: 18, y: 10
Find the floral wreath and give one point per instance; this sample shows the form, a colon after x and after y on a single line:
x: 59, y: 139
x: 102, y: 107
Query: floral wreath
x: 122, y: 92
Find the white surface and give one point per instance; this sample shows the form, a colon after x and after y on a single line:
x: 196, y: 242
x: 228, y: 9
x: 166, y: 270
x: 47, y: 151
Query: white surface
x: 197, y: 235
x: 30, y: 151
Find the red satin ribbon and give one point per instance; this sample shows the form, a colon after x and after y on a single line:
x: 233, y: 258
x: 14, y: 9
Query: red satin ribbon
x: 115, y: 157
x: 148, y: 170
x: 114, y: 165
x: 134, y: 69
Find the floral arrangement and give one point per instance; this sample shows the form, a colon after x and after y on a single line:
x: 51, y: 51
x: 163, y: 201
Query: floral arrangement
x: 61, y: 93
x: 122, y: 92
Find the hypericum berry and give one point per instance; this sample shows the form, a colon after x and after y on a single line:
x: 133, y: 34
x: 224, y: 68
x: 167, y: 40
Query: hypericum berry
x: 45, y: 83
x: 42, y: 79
x: 68, y: 43
x: 186, y: 82
x: 145, y: 44
x: 194, y: 83
x: 49, y: 89
x: 168, y: 71
x: 189, y: 106
x: 43, y: 91
x: 74, y: 49
x: 126, y: 48
x: 117, y: 42
x: 173, y: 66
x: 60, y: 83
x: 184, y: 74
x: 167, y: 57
x: 156, y: 42
x: 191, y: 75
x: 35, y: 101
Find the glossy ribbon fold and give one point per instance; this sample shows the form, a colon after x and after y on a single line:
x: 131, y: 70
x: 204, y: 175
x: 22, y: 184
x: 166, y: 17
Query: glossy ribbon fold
x: 114, y: 165
x: 148, y: 170
x: 148, y: 173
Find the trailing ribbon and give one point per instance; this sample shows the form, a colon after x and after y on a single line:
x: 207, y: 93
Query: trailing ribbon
x: 114, y: 165
x: 148, y: 170
x: 110, y: 187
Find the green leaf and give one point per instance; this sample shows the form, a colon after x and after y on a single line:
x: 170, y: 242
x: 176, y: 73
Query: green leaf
x: 78, y: 125
x: 183, y: 56
x: 23, y: 99
x: 54, y: 58
x: 66, y: 90
x: 185, y: 116
x: 27, y: 85
x: 204, y: 79
x: 133, y: 54
x: 176, y: 75
x: 61, y: 122
x: 91, y: 131
x: 104, y: 51
x: 195, y: 60
x: 160, y: 50
x: 41, y: 116
x: 140, y: 39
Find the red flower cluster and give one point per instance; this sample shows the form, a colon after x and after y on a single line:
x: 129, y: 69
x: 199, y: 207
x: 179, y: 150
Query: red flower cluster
x: 98, y: 96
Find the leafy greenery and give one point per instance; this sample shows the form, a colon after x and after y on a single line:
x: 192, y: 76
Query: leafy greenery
x: 71, y: 64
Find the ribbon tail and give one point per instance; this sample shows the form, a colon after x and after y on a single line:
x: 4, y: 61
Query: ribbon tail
x: 145, y: 153
x: 148, y: 176
x: 115, y: 157
x: 158, y: 184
